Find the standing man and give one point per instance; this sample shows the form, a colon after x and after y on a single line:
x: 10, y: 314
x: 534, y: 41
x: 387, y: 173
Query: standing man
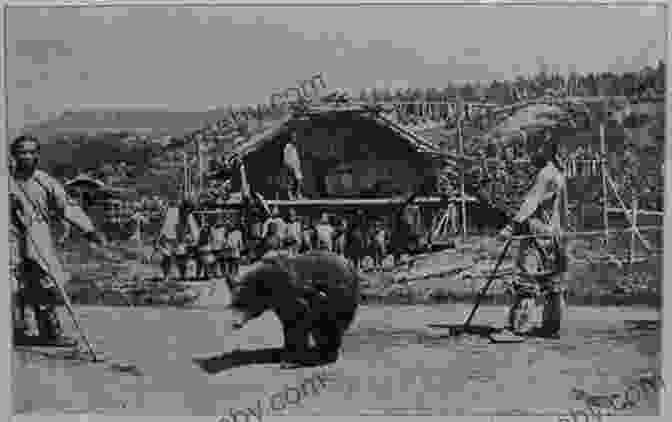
x: 139, y: 219
x: 293, y: 233
x: 37, y: 201
x: 292, y: 161
x: 356, y: 245
x: 205, y: 257
x: 542, y: 214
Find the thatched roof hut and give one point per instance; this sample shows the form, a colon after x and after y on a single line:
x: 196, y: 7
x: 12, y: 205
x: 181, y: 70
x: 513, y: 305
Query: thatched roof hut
x: 346, y: 150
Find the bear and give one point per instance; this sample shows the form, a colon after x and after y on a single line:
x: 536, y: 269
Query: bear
x: 315, y: 293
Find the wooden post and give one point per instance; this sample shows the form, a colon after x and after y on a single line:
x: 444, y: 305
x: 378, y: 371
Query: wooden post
x: 605, y: 215
x: 199, y: 157
x: 633, y: 228
x: 460, y: 136
x: 185, y: 188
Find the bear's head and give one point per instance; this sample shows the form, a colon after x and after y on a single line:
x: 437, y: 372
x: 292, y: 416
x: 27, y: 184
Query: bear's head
x: 263, y: 287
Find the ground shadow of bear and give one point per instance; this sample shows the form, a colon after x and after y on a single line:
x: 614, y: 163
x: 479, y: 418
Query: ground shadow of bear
x: 266, y: 356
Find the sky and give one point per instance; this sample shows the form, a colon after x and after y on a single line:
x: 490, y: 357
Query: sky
x: 192, y: 58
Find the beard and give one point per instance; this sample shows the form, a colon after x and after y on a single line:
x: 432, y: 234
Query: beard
x: 25, y: 167
x: 539, y: 161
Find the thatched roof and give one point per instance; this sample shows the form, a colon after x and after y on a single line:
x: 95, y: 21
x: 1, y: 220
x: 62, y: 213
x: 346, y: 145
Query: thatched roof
x: 277, y: 127
x: 531, y: 117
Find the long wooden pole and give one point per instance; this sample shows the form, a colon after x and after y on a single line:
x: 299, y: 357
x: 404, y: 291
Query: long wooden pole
x: 186, y: 175
x: 603, y: 149
x: 485, y: 288
x: 460, y: 140
x: 199, y: 151
x: 633, y: 228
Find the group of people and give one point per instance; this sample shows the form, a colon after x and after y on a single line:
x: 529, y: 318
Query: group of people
x: 217, y: 250
x: 355, y: 238
x: 214, y: 250
x: 297, y: 235
x: 582, y: 162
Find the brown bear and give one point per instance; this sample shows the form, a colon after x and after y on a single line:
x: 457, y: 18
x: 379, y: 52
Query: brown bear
x: 312, y: 294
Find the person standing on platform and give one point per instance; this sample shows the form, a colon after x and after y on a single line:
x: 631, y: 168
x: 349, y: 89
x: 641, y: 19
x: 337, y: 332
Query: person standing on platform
x: 292, y: 161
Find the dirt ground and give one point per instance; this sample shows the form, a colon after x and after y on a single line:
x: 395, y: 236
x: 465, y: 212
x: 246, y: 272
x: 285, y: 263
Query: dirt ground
x: 392, y: 363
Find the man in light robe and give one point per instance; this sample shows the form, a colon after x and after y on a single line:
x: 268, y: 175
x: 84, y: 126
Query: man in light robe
x: 37, y: 202
x: 542, y: 214
x: 292, y: 161
x: 178, y: 232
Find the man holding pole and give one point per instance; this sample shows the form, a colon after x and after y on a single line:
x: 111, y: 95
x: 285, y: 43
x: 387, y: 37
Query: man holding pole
x: 36, y: 201
x: 541, y: 219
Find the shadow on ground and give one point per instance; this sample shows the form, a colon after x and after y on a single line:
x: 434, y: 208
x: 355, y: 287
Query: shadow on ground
x: 241, y: 358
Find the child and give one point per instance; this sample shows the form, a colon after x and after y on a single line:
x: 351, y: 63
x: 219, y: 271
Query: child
x: 182, y: 256
x: 163, y: 245
x: 380, y: 242
x: 219, y: 236
x: 234, y: 245
x: 308, y: 235
x: 206, y: 253
x: 341, y: 237
x: 293, y: 233
x: 325, y: 234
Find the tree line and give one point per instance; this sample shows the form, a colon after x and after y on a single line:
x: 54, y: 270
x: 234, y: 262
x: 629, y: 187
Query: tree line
x: 648, y: 81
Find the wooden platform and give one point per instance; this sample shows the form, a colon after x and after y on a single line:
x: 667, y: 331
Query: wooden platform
x: 346, y: 202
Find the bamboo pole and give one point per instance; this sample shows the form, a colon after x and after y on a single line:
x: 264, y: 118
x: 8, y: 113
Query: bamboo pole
x: 645, y: 243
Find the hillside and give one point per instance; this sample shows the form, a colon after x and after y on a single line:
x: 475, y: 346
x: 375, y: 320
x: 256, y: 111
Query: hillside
x: 137, y: 149
x: 147, y: 121
x: 150, y: 142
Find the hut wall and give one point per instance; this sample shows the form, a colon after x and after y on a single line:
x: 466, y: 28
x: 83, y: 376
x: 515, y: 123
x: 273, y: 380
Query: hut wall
x: 341, y: 157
